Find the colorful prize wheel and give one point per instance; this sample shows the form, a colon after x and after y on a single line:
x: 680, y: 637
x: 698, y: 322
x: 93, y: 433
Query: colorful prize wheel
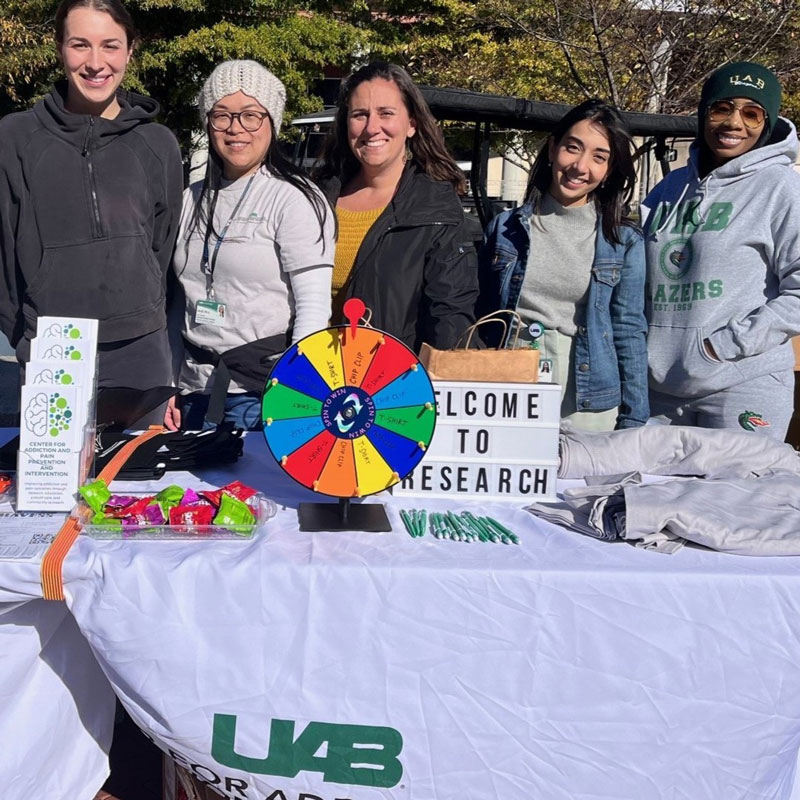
x: 348, y: 411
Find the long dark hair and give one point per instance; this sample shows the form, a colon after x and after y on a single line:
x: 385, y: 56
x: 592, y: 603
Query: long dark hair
x: 276, y: 163
x: 113, y: 8
x: 612, y: 197
x: 427, y: 146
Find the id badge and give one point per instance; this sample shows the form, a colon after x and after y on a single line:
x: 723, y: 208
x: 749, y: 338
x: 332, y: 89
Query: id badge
x: 209, y: 312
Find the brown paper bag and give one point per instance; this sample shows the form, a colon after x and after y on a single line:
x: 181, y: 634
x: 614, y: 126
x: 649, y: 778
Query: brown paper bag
x: 509, y: 365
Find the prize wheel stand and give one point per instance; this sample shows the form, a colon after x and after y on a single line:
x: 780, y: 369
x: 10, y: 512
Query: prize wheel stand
x: 348, y: 411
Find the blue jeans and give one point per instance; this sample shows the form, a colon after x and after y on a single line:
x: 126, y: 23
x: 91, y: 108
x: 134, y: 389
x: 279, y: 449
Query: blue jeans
x: 243, y: 410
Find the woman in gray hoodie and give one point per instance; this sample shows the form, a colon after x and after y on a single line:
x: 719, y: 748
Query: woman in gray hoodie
x: 723, y: 262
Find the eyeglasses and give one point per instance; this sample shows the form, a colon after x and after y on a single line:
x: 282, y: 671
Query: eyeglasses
x: 752, y: 115
x: 251, y: 121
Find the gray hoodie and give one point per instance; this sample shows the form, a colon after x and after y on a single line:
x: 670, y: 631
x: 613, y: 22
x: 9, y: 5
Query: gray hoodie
x: 723, y: 264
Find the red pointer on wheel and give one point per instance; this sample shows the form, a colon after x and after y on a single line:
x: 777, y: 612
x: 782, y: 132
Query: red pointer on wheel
x: 354, y: 310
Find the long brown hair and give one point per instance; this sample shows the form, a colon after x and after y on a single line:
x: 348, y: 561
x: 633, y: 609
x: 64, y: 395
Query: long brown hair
x: 428, y: 149
x: 612, y: 197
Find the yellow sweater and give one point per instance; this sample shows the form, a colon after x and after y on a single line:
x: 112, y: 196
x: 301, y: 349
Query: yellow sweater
x: 353, y: 227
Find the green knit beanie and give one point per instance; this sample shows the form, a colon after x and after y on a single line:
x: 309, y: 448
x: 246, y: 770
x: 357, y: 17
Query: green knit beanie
x: 743, y: 79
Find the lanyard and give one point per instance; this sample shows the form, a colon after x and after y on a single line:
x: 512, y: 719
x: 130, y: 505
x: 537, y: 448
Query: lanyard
x: 207, y: 264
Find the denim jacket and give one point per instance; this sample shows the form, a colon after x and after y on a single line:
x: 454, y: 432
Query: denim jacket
x: 611, y: 342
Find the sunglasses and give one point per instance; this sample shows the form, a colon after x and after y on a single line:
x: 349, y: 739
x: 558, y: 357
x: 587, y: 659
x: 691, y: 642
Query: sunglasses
x: 752, y: 115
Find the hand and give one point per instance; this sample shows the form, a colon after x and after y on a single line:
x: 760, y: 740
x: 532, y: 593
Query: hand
x: 172, y: 415
x: 710, y: 351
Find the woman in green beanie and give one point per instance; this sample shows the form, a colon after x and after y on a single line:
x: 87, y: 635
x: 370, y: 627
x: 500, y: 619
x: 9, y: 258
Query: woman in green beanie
x: 723, y: 262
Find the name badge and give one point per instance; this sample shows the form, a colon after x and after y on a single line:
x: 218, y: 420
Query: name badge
x: 209, y: 312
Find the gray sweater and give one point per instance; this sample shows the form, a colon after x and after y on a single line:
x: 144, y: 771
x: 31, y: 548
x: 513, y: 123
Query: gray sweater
x: 723, y: 264
x: 559, y: 265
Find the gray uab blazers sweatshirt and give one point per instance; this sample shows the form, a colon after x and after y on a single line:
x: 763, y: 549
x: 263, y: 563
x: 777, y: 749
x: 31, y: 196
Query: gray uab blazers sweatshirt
x: 723, y: 264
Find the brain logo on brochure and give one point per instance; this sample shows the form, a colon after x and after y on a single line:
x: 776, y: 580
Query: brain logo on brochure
x: 348, y: 411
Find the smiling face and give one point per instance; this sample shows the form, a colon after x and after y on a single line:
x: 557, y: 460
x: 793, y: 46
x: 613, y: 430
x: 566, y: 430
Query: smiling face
x: 95, y: 52
x: 581, y: 161
x: 242, y: 152
x: 730, y: 137
x: 378, y: 124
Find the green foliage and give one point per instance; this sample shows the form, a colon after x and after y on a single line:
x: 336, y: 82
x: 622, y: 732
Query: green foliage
x: 558, y: 50
x: 180, y: 43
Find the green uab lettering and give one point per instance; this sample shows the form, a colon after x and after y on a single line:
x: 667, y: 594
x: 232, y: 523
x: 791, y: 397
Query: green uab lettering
x: 715, y: 288
x: 343, y: 752
x: 689, y: 221
x: 280, y: 756
x: 685, y: 292
x: 674, y: 288
x: 659, y: 215
x: 376, y: 747
x: 719, y: 216
x: 661, y: 294
x: 698, y: 291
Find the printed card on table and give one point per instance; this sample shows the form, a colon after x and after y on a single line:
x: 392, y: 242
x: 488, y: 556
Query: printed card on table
x: 51, y: 437
x: 65, y: 338
x: 79, y: 374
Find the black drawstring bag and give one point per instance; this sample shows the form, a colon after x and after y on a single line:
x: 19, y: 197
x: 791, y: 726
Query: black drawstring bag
x: 248, y: 365
x: 170, y: 451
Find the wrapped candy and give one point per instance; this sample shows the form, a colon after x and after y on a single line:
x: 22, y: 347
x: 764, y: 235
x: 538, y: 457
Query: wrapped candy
x: 238, y: 490
x: 95, y: 494
x: 120, y: 500
x: 190, y: 497
x: 154, y: 514
x: 233, y: 512
x: 231, y: 507
x: 213, y: 497
x: 191, y: 515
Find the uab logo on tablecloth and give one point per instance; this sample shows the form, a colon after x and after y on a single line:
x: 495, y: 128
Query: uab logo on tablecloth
x: 359, y: 755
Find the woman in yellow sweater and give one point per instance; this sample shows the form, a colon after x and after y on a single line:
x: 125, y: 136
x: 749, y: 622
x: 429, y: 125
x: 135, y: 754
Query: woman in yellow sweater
x: 404, y: 247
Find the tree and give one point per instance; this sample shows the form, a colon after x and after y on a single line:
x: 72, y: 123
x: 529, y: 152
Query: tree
x: 639, y: 54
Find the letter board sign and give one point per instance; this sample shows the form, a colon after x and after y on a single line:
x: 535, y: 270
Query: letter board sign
x: 497, y: 441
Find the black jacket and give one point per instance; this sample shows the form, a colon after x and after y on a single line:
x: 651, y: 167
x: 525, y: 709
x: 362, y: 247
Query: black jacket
x: 89, y: 211
x: 417, y: 266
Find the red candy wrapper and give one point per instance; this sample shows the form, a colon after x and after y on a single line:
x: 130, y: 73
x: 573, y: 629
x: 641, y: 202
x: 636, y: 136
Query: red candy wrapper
x: 191, y: 515
x: 134, y: 511
x: 238, y: 490
x: 213, y: 497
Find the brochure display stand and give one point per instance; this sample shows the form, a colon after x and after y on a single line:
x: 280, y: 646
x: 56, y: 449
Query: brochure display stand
x: 57, y: 413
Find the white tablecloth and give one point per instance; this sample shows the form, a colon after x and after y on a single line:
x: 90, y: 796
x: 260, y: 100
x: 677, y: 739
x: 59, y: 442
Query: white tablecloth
x: 564, y: 668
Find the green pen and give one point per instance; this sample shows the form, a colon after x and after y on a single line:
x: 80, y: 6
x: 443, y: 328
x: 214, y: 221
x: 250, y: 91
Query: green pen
x: 503, y: 530
x: 474, y: 527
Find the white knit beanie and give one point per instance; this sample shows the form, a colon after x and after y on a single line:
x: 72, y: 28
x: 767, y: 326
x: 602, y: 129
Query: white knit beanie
x: 248, y: 77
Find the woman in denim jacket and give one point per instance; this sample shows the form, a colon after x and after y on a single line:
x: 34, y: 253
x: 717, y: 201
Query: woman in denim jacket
x: 573, y: 268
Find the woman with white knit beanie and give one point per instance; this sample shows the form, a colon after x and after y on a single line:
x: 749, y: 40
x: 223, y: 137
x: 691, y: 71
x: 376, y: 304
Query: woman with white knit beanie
x: 254, y: 255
